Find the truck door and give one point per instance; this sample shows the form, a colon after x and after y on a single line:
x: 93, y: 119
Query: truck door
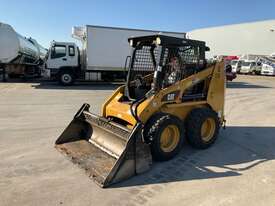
x: 72, y: 58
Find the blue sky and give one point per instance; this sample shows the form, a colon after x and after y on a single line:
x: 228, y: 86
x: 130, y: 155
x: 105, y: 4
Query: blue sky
x: 53, y: 19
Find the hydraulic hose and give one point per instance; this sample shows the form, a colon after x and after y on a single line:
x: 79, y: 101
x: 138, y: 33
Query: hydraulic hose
x: 134, y: 106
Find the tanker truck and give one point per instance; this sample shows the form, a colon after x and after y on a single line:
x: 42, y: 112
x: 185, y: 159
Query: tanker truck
x: 103, y: 56
x: 19, y: 56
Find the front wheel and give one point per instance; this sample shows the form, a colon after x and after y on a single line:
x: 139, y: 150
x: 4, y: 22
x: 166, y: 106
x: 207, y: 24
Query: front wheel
x: 167, y: 134
x: 66, y: 78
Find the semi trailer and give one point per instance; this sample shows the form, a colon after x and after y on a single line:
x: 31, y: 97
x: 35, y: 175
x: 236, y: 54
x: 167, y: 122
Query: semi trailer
x: 104, y: 55
x: 19, y: 56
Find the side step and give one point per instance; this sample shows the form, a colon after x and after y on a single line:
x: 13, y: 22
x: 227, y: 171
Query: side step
x: 109, y: 152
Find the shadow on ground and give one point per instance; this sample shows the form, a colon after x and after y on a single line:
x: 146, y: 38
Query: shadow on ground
x: 39, y: 83
x: 21, y: 80
x: 244, y: 85
x: 45, y: 84
x: 238, y: 149
x: 79, y: 86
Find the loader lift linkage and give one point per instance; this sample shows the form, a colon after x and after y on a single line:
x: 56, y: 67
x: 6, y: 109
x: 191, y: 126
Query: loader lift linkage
x: 171, y: 95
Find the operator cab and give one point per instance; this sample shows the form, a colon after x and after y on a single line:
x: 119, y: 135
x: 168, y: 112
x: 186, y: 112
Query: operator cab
x: 160, y: 61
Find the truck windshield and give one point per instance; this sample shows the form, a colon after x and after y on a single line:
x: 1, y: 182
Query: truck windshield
x: 233, y: 63
x: 58, y: 51
x: 246, y: 64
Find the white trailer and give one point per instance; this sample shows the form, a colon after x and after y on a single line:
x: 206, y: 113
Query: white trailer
x: 19, y: 55
x: 104, y: 56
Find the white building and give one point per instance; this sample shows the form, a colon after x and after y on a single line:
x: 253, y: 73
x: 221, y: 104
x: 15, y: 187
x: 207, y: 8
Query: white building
x: 238, y: 39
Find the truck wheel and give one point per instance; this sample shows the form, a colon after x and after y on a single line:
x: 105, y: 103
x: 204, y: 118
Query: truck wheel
x: 202, y: 127
x: 166, y: 134
x: 66, y: 78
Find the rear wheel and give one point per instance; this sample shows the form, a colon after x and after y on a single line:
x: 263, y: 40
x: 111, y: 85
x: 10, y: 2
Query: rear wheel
x: 202, y: 127
x: 166, y: 134
x: 66, y: 78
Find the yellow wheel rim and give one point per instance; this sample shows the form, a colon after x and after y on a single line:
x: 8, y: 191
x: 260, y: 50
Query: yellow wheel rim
x: 208, y: 129
x: 169, y: 138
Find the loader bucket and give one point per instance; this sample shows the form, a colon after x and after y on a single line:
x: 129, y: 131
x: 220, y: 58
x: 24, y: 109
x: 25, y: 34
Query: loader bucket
x: 107, y: 151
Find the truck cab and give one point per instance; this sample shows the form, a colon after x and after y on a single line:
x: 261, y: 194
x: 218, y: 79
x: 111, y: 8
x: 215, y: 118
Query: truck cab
x: 247, y: 67
x: 258, y: 68
x: 268, y: 68
x: 63, y: 62
x: 236, y: 65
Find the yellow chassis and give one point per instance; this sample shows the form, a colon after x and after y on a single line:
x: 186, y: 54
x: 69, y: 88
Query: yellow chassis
x: 156, y: 103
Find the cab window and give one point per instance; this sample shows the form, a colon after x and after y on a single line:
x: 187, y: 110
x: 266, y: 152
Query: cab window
x: 58, y: 51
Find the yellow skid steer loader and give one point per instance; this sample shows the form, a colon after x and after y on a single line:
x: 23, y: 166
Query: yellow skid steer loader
x: 171, y: 95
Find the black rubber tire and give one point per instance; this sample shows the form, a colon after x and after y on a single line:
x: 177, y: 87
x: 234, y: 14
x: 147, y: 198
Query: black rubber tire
x: 193, y: 126
x: 69, y: 74
x: 153, y: 130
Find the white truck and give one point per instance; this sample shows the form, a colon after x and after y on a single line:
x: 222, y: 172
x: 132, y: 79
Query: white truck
x: 19, y: 56
x: 268, y: 66
x: 247, y: 67
x: 104, y: 56
x: 236, y: 65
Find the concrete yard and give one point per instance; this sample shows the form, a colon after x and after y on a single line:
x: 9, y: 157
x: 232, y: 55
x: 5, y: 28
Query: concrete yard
x: 238, y: 170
